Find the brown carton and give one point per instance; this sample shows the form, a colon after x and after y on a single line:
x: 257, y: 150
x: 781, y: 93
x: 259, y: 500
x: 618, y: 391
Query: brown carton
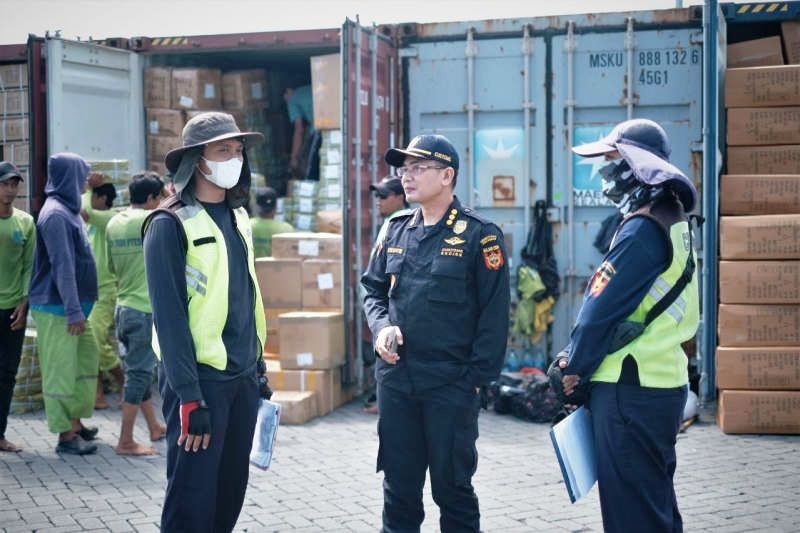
x: 158, y: 87
x: 791, y: 40
x: 762, y: 86
x: 330, y: 221
x: 280, y: 282
x: 759, y: 412
x: 759, y: 282
x: 311, y: 340
x: 326, y: 89
x: 242, y: 89
x: 759, y: 195
x: 14, y: 76
x: 273, y: 344
x: 322, y: 284
x: 759, y: 325
x: 296, y: 407
x: 307, y: 245
x: 158, y: 167
x: 755, y: 53
x: 13, y: 129
x: 758, y: 368
x: 760, y: 237
x: 759, y: 126
x: 324, y: 383
x: 17, y: 153
x: 14, y: 102
x: 764, y: 159
x: 158, y: 146
x: 165, y: 122
x: 196, y: 88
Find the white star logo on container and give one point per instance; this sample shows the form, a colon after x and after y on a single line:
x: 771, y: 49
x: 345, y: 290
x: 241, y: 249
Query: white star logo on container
x: 500, y: 151
x: 595, y: 162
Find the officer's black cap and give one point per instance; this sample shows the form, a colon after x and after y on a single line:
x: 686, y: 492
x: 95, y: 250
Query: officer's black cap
x: 388, y: 185
x: 431, y: 147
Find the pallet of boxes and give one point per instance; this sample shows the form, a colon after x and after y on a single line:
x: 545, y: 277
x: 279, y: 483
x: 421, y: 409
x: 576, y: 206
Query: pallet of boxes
x: 301, y: 286
x: 14, y: 122
x: 758, y: 358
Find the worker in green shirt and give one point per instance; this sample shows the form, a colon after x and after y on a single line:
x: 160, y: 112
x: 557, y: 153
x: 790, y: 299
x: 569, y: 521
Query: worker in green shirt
x: 264, y: 225
x: 96, y: 212
x: 134, y: 315
x: 17, y: 243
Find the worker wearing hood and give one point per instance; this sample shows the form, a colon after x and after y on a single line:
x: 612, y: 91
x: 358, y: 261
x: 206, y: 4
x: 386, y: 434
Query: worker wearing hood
x: 62, y: 293
x: 209, y: 323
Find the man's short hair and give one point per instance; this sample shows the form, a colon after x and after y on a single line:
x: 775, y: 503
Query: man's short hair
x: 108, y: 190
x: 267, y: 201
x: 144, y: 185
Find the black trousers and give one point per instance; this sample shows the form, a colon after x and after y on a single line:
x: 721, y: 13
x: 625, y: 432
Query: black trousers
x: 205, y: 489
x: 436, y: 430
x: 10, y: 353
x: 635, y: 429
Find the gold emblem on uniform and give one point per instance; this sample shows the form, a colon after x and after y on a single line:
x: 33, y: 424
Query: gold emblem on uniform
x: 460, y: 227
x: 455, y: 241
x: 394, y: 250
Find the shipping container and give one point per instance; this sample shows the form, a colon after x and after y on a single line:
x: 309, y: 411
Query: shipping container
x: 512, y: 95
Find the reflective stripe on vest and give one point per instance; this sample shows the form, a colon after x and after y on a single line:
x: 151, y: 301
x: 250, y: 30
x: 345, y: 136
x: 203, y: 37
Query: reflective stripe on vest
x: 659, y: 356
x: 207, y: 284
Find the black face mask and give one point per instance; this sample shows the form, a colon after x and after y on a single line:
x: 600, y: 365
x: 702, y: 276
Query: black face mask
x: 618, y: 180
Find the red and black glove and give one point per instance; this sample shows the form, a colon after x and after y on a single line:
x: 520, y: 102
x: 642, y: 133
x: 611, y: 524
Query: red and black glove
x: 195, y: 418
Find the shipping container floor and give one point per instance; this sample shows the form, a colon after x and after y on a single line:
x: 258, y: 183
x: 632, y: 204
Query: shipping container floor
x: 323, y: 479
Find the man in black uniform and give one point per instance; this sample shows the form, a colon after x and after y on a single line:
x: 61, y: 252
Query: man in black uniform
x: 437, y: 302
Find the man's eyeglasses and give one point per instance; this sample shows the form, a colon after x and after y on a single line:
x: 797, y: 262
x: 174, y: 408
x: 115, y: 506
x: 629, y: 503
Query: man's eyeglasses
x: 416, y: 170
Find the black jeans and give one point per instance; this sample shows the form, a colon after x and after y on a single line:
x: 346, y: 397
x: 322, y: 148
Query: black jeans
x: 10, y: 353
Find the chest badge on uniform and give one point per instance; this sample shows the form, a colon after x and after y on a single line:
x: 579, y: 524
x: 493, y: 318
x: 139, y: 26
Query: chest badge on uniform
x: 460, y: 227
x: 493, y: 257
x: 601, y: 278
x: 455, y: 241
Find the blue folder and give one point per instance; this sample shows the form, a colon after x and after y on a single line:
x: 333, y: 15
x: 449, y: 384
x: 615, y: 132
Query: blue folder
x: 573, y: 440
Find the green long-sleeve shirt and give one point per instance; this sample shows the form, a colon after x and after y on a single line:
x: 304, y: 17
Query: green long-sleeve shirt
x: 17, y: 244
x: 96, y: 226
x: 263, y: 230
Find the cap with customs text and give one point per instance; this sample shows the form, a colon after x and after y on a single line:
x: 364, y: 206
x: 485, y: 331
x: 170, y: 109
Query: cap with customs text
x: 430, y: 147
x: 388, y: 185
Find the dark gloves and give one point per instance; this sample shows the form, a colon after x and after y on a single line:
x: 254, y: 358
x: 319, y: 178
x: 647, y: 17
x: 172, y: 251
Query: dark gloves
x: 195, y: 419
x: 263, y: 383
x: 556, y: 376
x: 484, y: 394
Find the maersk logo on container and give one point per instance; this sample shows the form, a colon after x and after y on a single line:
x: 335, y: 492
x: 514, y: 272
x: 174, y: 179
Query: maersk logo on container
x: 607, y: 59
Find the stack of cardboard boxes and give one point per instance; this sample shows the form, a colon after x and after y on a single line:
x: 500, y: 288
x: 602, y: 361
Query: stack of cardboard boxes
x: 326, y: 86
x: 14, y: 117
x: 301, y: 286
x: 758, y: 359
x: 116, y: 172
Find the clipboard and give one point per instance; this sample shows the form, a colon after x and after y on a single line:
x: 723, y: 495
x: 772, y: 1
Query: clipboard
x: 573, y: 441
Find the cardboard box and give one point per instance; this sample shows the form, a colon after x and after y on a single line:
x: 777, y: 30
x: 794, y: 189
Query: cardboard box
x: 296, y: 407
x: 759, y: 325
x: 311, y: 340
x: 14, y: 76
x: 325, y: 384
x: 165, y: 122
x: 330, y: 220
x: 158, y: 87
x: 280, y: 282
x: 762, y: 86
x: 758, y: 368
x: 158, y: 146
x: 755, y: 53
x: 759, y: 412
x: 14, y: 102
x: 764, y: 159
x: 242, y: 89
x: 791, y: 40
x: 307, y: 245
x: 273, y: 332
x: 759, y: 195
x: 759, y: 282
x: 17, y: 153
x: 13, y: 129
x: 158, y: 167
x: 760, y: 237
x: 322, y: 284
x: 326, y: 90
x: 759, y: 126
x: 196, y: 88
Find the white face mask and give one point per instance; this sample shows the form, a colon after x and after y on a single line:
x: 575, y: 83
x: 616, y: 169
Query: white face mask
x: 224, y: 174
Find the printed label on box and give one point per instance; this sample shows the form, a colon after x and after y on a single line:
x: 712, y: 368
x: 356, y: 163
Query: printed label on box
x: 308, y: 248
x: 335, y: 137
x: 209, y: 90
x: 306, y: 205
x: 305, y: 189
x: 333, y: 157
x: 154, y: 127
x: 331, y: 171
x: 256, y: 92
x: 185, y: 101
x: 304, y: 222
x: 305, y: 359
x: 334, y: 190
x: 325, y: 281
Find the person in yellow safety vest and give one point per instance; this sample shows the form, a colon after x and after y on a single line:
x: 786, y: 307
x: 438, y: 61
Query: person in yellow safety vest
x: 625, y: 348
x: 209, y: 321
x: 265, y: 225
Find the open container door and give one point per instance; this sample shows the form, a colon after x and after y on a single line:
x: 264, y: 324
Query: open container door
x: 94, y: 102
x: 369, y: 63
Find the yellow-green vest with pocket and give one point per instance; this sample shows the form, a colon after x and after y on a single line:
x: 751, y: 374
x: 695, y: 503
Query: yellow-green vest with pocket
x: 207, y: 283
x: 659, y: 356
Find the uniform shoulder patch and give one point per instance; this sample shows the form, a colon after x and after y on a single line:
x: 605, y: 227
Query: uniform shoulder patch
x: 493, y: 257
x: 601, y: 278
